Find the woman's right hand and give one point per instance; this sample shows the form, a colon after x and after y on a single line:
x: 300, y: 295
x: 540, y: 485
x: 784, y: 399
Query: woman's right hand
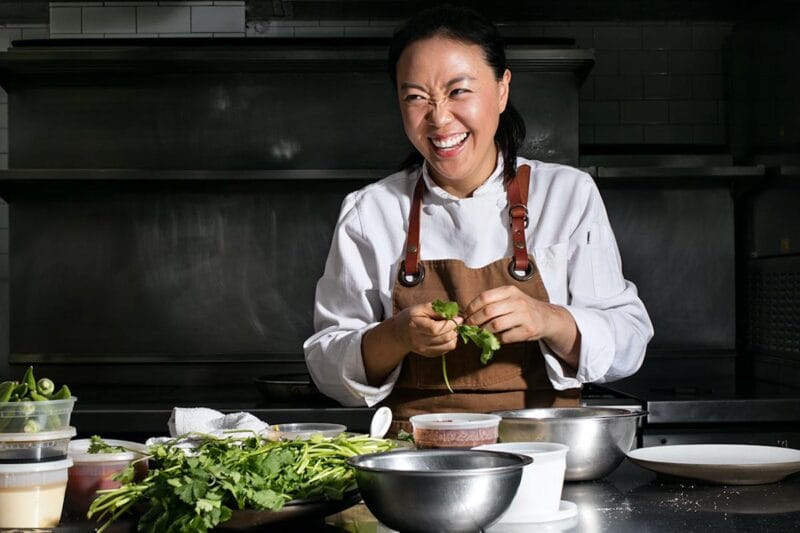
x: 422, y: 330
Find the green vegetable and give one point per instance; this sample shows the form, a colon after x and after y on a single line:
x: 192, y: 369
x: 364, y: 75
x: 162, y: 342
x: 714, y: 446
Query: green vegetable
x: 45, y: 386
x: 62, y: 394
x: 28, y: 391
x: 98, y: 445
x: 28, y: 379
x: 6, y: 388
x: 36, y: 397
x: 20, y: 393
x: 483, y: 339
x: 405, y: 436
x: 194, y: 493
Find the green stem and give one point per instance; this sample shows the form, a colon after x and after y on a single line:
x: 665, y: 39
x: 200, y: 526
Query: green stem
x: 444, y: 373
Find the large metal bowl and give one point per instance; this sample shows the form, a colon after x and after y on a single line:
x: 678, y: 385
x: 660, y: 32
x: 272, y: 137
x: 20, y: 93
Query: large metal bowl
x: 598, y: 437
x: 438, y: 489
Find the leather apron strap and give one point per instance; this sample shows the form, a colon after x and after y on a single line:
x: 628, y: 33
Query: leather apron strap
x: 411, y: 271
x: 516, y: 377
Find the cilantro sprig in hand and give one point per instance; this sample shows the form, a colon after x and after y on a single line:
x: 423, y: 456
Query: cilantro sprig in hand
x: 483, y: 339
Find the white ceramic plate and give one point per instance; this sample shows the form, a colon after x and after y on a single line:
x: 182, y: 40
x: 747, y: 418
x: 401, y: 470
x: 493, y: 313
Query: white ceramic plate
x: 729, y: 464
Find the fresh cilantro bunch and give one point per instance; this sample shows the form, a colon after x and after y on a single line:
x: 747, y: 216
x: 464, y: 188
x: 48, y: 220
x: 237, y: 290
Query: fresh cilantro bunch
x: 483, y: 339
x: 194, y: 492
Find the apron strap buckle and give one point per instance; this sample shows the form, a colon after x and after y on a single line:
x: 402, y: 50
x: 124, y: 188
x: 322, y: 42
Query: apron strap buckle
x: 410, y: 280
x: 519, y: 275
x: 518, y: 211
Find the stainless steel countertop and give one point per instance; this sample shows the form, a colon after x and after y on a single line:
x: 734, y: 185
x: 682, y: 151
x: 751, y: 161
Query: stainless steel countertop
x: 631, y: 499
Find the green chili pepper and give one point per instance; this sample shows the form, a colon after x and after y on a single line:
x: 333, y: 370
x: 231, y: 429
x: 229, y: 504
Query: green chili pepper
x: 28, y: 379
x: 6, y: 388
x: 36, y: 397
x: 20, y: 391
x: 45, y: 386
x: 62, y: 394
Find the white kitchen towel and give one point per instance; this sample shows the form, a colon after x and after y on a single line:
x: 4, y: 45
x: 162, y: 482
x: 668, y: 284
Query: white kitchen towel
x: 203, y: 420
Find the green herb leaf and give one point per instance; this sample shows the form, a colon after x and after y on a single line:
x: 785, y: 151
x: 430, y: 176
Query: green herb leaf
x: 195, y: 493
x: 448, y: 310
x: 483, y: 339
x: 98, y: 445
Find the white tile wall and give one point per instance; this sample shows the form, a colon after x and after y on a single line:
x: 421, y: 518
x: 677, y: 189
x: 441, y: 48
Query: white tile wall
x: 218, y: 18
x: 164, y: 19
x: 65, y: 19
x: 126, y: 19
x: 109, y: 19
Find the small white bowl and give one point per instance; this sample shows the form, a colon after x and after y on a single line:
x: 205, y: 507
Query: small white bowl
x: 538, y: 497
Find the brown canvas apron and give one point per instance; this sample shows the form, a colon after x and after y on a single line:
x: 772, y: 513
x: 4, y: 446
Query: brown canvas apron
x: 516, y: 377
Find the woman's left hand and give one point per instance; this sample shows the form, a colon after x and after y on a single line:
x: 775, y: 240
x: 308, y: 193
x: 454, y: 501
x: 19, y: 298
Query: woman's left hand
x: 513, y: 316
x: 510, y: 314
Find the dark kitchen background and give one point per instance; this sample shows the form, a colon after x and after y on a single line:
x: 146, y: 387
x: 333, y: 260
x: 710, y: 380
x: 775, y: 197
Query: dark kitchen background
x: 175, y: 169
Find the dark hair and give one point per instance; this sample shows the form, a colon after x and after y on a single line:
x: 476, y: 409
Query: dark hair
x: 467, y: 26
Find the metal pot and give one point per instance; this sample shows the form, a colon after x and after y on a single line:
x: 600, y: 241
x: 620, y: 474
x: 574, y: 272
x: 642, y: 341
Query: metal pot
x: 598, y: 438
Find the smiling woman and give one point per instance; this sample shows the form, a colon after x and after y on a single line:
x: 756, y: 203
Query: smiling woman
x: 451, y: 102
x: 439, y: 230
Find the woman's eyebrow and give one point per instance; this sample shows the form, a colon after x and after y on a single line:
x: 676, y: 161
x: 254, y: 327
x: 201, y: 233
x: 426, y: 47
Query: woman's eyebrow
x: 454, y: 81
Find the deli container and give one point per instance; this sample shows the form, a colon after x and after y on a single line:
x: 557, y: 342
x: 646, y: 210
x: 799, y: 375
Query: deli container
x: 454, y: 430
x: 35, y: 447
x: 94, y: 471
x: 35, y: 417
x: 538, y: 498
x: 32, y: 494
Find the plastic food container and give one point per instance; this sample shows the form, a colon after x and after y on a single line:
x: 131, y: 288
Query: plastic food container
x: 35, y: 447
x: 538, y: 497
x: 93, y: 471
x: 32, y: 494
x: 304, y: 430
x: 34, y: 417
x: 454, y: 430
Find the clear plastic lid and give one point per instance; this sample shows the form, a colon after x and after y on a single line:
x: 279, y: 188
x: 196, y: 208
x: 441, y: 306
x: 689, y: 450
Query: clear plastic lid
x: 35, y: 468
x: 454, y: 421
x: 41, y: 436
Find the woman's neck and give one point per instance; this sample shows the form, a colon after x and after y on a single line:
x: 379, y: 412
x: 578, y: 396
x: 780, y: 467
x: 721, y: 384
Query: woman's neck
x: 465, y: 187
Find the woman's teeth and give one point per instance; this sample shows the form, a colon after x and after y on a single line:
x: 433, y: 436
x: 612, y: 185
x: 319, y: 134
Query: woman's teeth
x: 449, y: 142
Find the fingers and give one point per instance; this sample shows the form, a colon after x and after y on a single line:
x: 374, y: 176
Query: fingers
x: 430, y: 334
x: 493, y: 304
x: 510, y: 314
x: 431, y: 346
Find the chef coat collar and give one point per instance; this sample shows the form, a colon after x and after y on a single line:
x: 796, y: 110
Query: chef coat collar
x: 494, y: 184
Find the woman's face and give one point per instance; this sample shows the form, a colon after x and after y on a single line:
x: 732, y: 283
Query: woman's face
x: 451, y: 102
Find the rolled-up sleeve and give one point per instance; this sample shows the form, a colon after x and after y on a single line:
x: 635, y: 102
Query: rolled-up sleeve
x: 611, y: 318
x: 347, y: 305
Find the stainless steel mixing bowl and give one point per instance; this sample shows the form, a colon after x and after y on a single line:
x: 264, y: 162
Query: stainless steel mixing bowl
x: 438, y: 489
x: 598, y: 437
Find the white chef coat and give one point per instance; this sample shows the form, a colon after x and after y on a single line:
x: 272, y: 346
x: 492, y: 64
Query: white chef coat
x: 569, y: 236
